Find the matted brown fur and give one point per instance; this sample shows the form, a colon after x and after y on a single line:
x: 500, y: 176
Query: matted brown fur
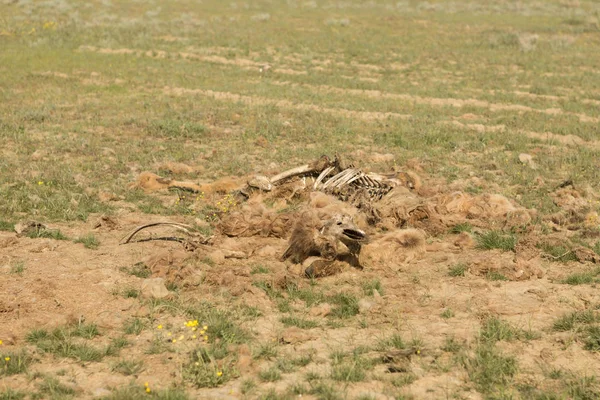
x: 393, y: 248
x: 257, y: 220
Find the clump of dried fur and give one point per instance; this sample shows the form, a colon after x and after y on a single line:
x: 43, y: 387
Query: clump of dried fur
x: 396, y: 247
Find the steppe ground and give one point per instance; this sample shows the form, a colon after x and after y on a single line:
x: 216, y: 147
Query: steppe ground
x: 482, y: 97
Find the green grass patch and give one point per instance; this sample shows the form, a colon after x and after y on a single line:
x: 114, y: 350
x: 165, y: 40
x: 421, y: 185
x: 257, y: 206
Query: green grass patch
x: 17, y: 268
x: 10, y: 394
x: 370, y: 286
x: 139, y: 270
x: 134, y: 326
x: 138, y: 392
x: 271, y: 374
x: 128, y: 367
x: 395, y: 341
x: 299, y: 322
x: 496, y: 240
x: 89, y: 241
x: 345, y: 305
x: 494, y: 329
x: 12, y: 362
x: 70, y: 342
x: 582, y: 278
x: 6, y: 226
x: 462, y: 227
x: 495, y: 276
x: 457, y: 270
x: 490, y: 370
x: 53, y: 388
x: 203, y: 371
x: 570, y: 321
x: 55, y: 234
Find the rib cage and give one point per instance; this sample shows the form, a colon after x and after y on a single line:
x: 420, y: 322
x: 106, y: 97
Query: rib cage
x: 351, y: 183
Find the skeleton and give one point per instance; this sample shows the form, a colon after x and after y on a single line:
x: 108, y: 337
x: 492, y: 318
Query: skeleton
x: 336, y: 178
x: 338, y: 239
x: 191, y: 243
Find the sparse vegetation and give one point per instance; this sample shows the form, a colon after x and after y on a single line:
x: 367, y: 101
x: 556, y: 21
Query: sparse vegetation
x: 485, y: 113
x: 299, y: 322
x: 559, y: 253
x: 134, y: 326
x: 12, y: 363
x: 53, y: 388
x: 61, y: 342
x: 370, y: 286
x: 10, y: 394
x: 89, y: 241
x: 462, y: 227
x: 496, y: 240
x: 203, y: 371
x: 457, y: 270
x: 270, y: 374
x: 489, y: 369
x: 583, y: 277
x: 139, y: 270
x: 46, y: 233
x: 17, y: 268
x: 128, y: 367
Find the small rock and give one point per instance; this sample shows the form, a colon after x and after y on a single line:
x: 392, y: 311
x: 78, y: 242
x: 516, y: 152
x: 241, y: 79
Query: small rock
x: 106, y: 221
x: 295, y: 335
x: 527, y: 159
x: 322, y: 310
x: 364, y: 305
x: 154, y: 288
x: 25, y: 228
x: 261, y: 182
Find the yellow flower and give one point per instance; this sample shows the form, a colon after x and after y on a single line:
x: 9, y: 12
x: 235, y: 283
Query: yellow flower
x: 40, y: 183
x: 206, y: 338
x: 0, y: 342
x: 148, y: 390
x: 193, y: 336
x: 202, y: 332
x: 146, y: 384
x: 159, y: 327
x: 7, y: 359
x: 168, y: 333
x: 174, y: 340
x: 219, y: 373
x: 181, y: 337
x: 205, y: 327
